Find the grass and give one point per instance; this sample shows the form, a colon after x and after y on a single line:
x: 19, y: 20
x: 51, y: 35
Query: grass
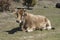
x: 7, y: 22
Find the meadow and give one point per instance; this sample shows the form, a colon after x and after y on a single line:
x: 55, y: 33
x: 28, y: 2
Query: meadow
x: 8, y: 23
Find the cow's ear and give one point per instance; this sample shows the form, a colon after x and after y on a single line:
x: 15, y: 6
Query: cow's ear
x: 15, y: 10
x: 24, y: 10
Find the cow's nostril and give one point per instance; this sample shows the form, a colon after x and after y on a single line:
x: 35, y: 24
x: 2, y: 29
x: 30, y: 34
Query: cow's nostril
x: 17, y: 21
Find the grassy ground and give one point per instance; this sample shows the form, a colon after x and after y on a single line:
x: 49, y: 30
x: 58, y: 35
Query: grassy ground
x: 7, y: 22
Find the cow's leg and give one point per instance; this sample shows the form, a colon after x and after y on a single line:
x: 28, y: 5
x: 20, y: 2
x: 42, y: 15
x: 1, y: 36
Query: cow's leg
x: 30, y: 29
x: 48, y: 25
x: 43, y: 26
x: 23, y: 29
x: 23, y: 26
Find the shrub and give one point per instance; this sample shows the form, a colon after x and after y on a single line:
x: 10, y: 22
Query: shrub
x: 57, y: 5
x: 33, y: 2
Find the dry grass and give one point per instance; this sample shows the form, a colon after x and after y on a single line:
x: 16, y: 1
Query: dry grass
x: 7, y: 22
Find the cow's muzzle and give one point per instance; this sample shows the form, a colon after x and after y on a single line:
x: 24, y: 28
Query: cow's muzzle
x: 17, y: 21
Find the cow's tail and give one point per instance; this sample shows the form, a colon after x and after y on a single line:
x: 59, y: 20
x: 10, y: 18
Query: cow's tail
x: 48, y: 24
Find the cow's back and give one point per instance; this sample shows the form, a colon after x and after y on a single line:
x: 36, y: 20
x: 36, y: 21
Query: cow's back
x: 35, y: 20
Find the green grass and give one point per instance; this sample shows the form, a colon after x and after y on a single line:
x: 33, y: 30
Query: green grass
x: 7, y: 22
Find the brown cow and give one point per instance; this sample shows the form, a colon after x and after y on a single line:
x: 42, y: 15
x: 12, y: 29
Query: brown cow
x: 32, y: 22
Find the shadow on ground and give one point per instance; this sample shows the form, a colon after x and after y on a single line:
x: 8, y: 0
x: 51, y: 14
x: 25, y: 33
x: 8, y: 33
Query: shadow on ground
x: 12, y: 31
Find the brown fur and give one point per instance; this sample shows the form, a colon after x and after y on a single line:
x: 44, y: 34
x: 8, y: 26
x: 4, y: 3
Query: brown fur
x: 32, y: 22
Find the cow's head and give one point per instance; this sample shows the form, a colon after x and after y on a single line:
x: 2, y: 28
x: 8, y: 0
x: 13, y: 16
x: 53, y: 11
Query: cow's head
x: 20, y: 14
